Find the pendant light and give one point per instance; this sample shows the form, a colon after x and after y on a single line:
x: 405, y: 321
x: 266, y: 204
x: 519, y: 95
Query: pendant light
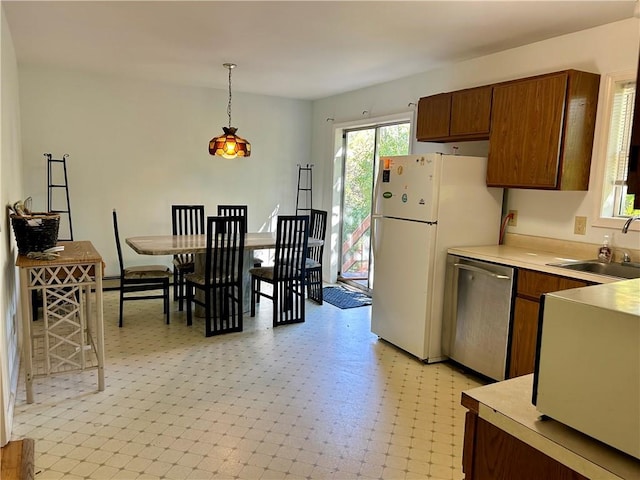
x: 229, y: 145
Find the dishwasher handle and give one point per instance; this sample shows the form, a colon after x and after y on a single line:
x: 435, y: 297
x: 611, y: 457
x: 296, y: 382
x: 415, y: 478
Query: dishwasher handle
x: 472, y: 268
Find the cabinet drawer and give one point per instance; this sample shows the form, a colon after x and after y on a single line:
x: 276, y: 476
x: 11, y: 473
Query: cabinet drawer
x: 532, y: 284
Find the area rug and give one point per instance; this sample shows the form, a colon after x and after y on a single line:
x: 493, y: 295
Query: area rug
x: 345, y: 298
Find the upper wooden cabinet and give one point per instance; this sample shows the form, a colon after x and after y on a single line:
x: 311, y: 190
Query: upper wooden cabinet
x: 460, y: 115
x: 542, y: 131
x: 434, y: 114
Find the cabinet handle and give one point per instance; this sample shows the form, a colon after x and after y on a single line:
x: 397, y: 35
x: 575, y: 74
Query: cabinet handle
x: 464, y: 266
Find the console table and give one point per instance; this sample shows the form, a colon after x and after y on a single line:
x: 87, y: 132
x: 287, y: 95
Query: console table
x: 70, y: 336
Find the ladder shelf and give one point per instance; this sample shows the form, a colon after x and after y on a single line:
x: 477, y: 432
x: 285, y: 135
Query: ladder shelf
x: 305, y: 184
x: 58, y: 194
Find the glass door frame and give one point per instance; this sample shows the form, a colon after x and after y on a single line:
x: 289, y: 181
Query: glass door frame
x: 376, y: 126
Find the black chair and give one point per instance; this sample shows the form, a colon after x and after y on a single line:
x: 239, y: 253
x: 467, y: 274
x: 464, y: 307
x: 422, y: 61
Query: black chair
x: 185, y: 220
x: 238, y: 211
x: 314, y: 256
x: 221, y: 281
x: 141, y: 279
x: 287, y: 275
x: 234, y: 211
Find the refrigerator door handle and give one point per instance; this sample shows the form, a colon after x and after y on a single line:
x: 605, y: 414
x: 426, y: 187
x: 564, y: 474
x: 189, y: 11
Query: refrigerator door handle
x: 481, y: 270
x: 374, y: 228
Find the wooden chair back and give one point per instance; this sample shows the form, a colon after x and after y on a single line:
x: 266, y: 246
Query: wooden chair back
x: 187, y: 220
x: 223, y: 275
x: 118, y: 247
x: 233, y: 211
x: 292, y: 239
x: 225, y: 250
x: 318, y: 229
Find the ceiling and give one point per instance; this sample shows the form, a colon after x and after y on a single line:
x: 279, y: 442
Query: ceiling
x: 296, y: 49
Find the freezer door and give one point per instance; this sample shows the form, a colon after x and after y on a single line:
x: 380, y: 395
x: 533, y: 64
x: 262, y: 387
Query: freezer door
x: 405, y: 187
x: 401, y: 297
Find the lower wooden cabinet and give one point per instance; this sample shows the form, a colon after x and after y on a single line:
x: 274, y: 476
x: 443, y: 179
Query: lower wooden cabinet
x: 524, y: 329
x: 492, y: 454
x: 523, y: 337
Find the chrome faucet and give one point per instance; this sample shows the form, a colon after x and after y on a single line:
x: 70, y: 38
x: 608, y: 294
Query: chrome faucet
x: 625, y: 227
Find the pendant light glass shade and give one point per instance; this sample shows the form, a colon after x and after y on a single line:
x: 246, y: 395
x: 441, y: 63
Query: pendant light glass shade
x: 229, y: 145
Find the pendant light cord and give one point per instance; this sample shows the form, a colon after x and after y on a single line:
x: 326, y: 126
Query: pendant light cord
x: 230, y: 67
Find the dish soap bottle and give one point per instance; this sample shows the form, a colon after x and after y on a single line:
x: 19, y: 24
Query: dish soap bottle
x: 604, y: 253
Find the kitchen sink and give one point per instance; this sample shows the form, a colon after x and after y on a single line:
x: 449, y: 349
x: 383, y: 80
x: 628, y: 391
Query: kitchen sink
x: 618, y: 270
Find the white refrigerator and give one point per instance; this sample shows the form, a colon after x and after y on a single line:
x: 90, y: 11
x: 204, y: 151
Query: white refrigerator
x: 423, y: 205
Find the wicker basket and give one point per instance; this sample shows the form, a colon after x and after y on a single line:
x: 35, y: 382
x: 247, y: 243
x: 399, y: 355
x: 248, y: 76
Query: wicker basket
x: 35, y: 232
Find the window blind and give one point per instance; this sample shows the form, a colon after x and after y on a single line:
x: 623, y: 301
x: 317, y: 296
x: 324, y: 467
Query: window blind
x: 620, y: 133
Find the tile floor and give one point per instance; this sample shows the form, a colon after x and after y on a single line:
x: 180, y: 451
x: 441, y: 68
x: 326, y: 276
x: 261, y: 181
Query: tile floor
x: 320, y: 400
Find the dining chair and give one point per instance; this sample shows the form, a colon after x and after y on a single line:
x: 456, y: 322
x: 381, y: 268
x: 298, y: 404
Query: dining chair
x: 233, y: 211
x: 240, y: 211
x: 221, y: 281
x: 287, y: 275
x: 313, y: 267
x: 185, y: 220
x: 141, y: 278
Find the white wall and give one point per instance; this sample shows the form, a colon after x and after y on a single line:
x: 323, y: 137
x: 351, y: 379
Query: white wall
x: 141, y: 146
x: 605, y: 49
x: 11, y: 183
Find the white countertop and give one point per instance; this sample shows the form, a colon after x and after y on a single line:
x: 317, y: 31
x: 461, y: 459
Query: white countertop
x: 508, y: 406
x: 622, y: 296
x: 530, y: 259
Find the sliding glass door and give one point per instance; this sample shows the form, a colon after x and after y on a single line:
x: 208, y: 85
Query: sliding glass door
x: 362, y: 147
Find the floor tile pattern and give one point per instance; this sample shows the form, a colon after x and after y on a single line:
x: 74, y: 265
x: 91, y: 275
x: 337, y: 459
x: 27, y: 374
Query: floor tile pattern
x: 324, y: 399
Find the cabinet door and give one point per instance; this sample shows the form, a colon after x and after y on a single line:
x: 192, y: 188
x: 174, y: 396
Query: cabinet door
x: 434, y: 114
x: 526, y: 127
x: 523, y: 337
x: 498, y: 455
x: 471, y: 112
x: 524, y: 332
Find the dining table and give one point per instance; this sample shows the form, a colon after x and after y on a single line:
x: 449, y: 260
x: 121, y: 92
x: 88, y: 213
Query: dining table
x: 197, y: 245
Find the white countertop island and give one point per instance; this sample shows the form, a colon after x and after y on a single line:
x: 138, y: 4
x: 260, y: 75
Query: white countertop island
x: 506, y: 406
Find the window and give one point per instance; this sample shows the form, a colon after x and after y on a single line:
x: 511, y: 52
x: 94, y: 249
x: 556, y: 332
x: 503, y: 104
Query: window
x: 615, y: 200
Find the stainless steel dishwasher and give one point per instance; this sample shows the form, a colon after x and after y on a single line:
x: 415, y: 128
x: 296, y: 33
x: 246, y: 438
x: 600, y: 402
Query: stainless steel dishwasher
x: 477, y: 314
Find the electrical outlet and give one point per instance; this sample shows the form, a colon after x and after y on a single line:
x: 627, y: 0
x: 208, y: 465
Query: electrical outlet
x: 580, y: 226
x: 513, y: 221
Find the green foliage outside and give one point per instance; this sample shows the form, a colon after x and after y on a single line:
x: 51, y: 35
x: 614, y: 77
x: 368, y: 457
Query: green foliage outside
x: 360, y: 167
x: 628, y: 207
